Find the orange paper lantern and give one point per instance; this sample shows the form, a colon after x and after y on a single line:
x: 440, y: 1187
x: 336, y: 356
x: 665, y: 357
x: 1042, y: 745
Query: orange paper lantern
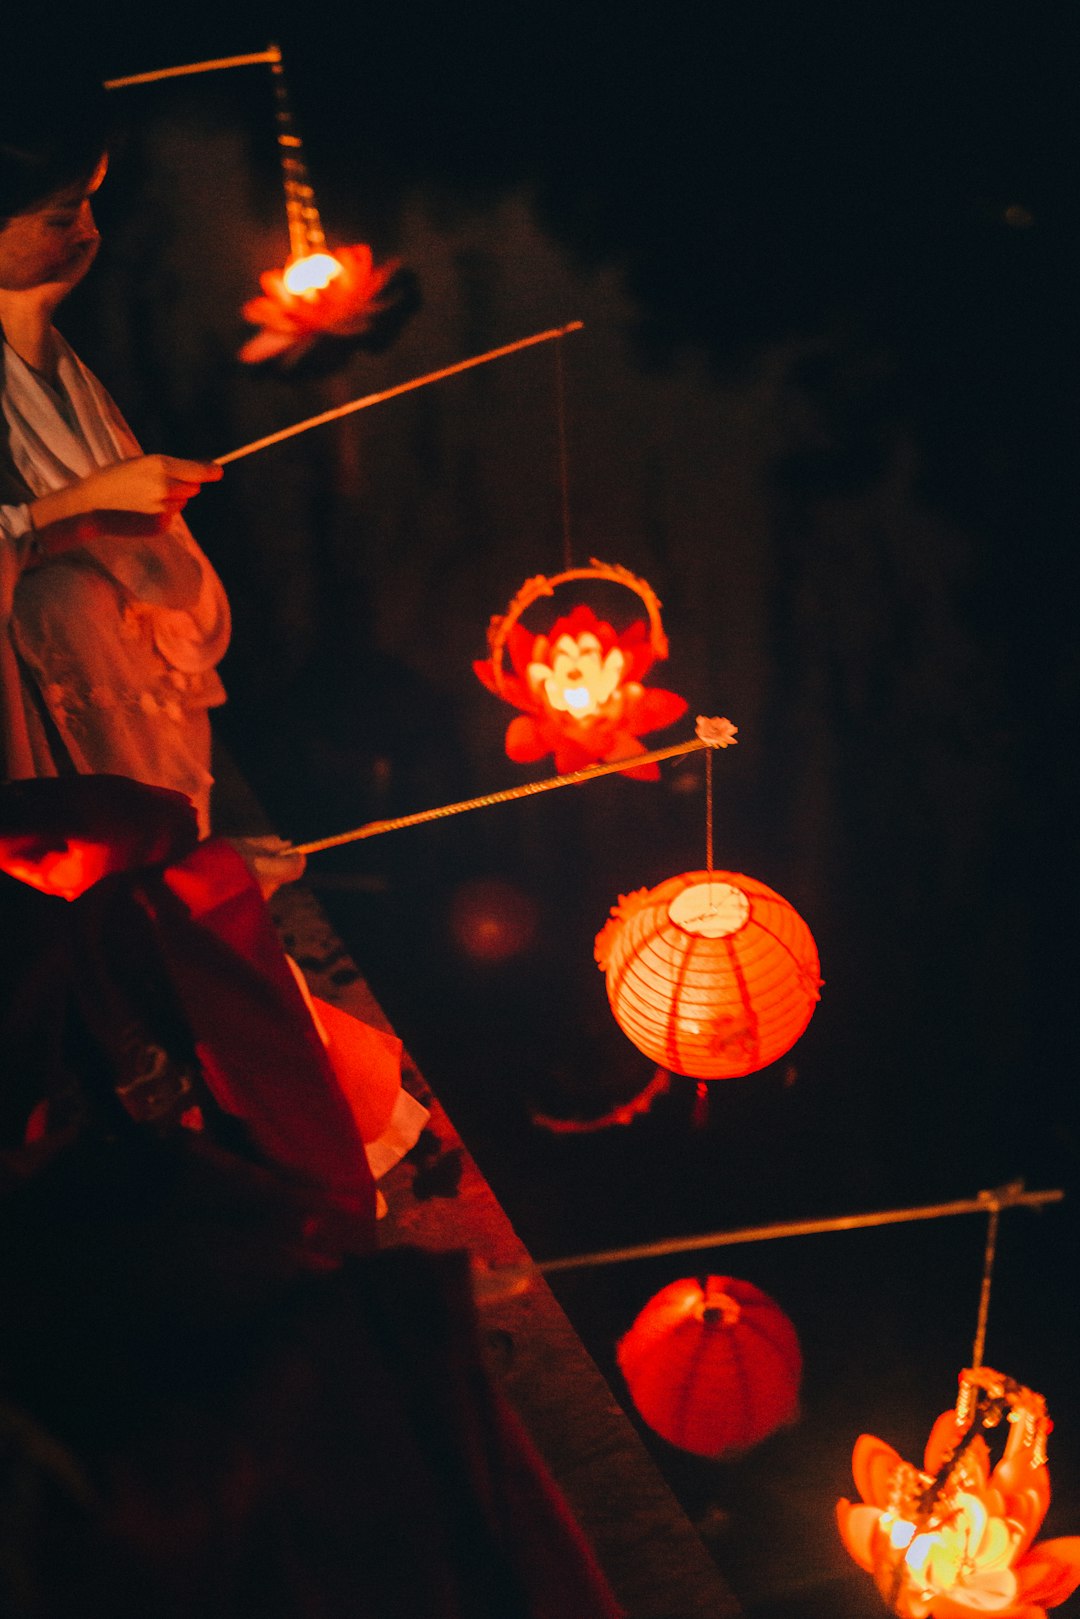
x: 713, y: 1367
x: 711, y: 974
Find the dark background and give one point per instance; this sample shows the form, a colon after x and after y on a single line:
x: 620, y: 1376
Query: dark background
x: 825, y: 401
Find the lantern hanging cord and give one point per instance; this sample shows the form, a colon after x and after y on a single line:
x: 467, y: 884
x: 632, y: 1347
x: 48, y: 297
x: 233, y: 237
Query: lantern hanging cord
x: 392, y: 393
x: 564, y: 469
x: 708, y: 814
x: 712, y: 733
x: 214, y: 65
x: 987, y: 1278
x: 305, y: 226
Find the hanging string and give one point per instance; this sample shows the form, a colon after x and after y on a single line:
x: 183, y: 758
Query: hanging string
x: 987, y: 1277
x: 392, y: 393
x: 699, y: 1113
x: 715, y: 733
x: 564, y: 472
x: 305, y: 226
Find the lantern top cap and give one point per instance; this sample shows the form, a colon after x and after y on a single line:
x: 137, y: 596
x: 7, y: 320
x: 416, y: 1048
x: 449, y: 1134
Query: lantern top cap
x: 711, y: 910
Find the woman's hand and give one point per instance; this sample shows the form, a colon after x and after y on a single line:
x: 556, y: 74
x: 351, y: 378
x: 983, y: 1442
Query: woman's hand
x: 148, y: 490
x: 152, y: 484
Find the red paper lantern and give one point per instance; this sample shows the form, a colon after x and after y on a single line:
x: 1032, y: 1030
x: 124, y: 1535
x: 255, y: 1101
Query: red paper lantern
x: 711, y: 974
x: 713, y: 1367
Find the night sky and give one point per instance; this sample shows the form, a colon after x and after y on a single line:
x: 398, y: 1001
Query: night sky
x: 826, y: 401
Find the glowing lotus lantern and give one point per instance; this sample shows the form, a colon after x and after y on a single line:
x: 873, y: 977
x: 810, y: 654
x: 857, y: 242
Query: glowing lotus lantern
x: 318, y: 294
x: 713, y: 1366
x: 711, y: 974
x: 308, y: 300
x: 579, y: 684
x: 956, y: 1538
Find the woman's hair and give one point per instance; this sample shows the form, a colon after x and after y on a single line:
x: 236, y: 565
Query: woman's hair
x: 54, y: 127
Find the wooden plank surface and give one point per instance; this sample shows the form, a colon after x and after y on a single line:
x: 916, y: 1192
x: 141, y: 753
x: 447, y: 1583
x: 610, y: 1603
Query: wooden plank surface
x: 437, y: 1198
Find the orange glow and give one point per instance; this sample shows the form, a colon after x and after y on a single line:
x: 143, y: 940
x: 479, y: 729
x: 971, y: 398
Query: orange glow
x: 317, y: 295
x: 713, y: 975
x: 956, y: 1538
x: 491, y: 920
x: 310, y: 274
x: 712, y: 1369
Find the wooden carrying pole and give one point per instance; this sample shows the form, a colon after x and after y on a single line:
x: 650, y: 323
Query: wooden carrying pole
x: 375, y: 829
x: 213, y: 66
x: 392, y: 393
x: 1006, y: 1197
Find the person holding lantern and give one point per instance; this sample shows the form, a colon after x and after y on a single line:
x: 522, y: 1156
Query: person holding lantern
x: 112, y: 620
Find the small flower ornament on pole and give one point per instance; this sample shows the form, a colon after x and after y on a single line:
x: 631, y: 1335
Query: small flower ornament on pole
x: 956, y: 1538
x: 579, y: 685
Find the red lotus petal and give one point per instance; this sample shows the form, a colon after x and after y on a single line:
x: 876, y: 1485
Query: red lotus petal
x: 1025, y: 1488
x: 944, y: 1607
x: 485, y: 674
x: 654, y: 709
x: 944, y: 1437
x: 265, y: 345
x: 523, y: 648
x: 1051, y: 1571
x: 579, y: 621
x: 524, y: 741
x: 856, y: 1523
x: 1029, y: 1508
x: 635, y: 643
x: 873, y: 1463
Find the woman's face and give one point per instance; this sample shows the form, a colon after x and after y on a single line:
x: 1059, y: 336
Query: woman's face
x: 55, y: 242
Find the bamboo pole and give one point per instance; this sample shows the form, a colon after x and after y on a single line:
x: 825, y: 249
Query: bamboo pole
x: 375, y: 829
x: 392, y: 393
x: 1006, y: 1197
x: 213, y: 66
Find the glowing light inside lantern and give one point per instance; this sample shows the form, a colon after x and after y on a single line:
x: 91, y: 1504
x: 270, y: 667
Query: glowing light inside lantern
x: 711, y: 910
x: 311, y: 273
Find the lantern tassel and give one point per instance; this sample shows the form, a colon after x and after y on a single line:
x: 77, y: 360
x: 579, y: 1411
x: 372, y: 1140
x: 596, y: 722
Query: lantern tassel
x: 699, y: 1116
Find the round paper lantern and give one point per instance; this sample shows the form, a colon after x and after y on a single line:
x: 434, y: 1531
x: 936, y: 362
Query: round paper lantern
x: 711, y: 974
x: 713, y: 1366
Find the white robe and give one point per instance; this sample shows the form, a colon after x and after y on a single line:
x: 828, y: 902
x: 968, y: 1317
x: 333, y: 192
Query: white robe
x: 117, y: 641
